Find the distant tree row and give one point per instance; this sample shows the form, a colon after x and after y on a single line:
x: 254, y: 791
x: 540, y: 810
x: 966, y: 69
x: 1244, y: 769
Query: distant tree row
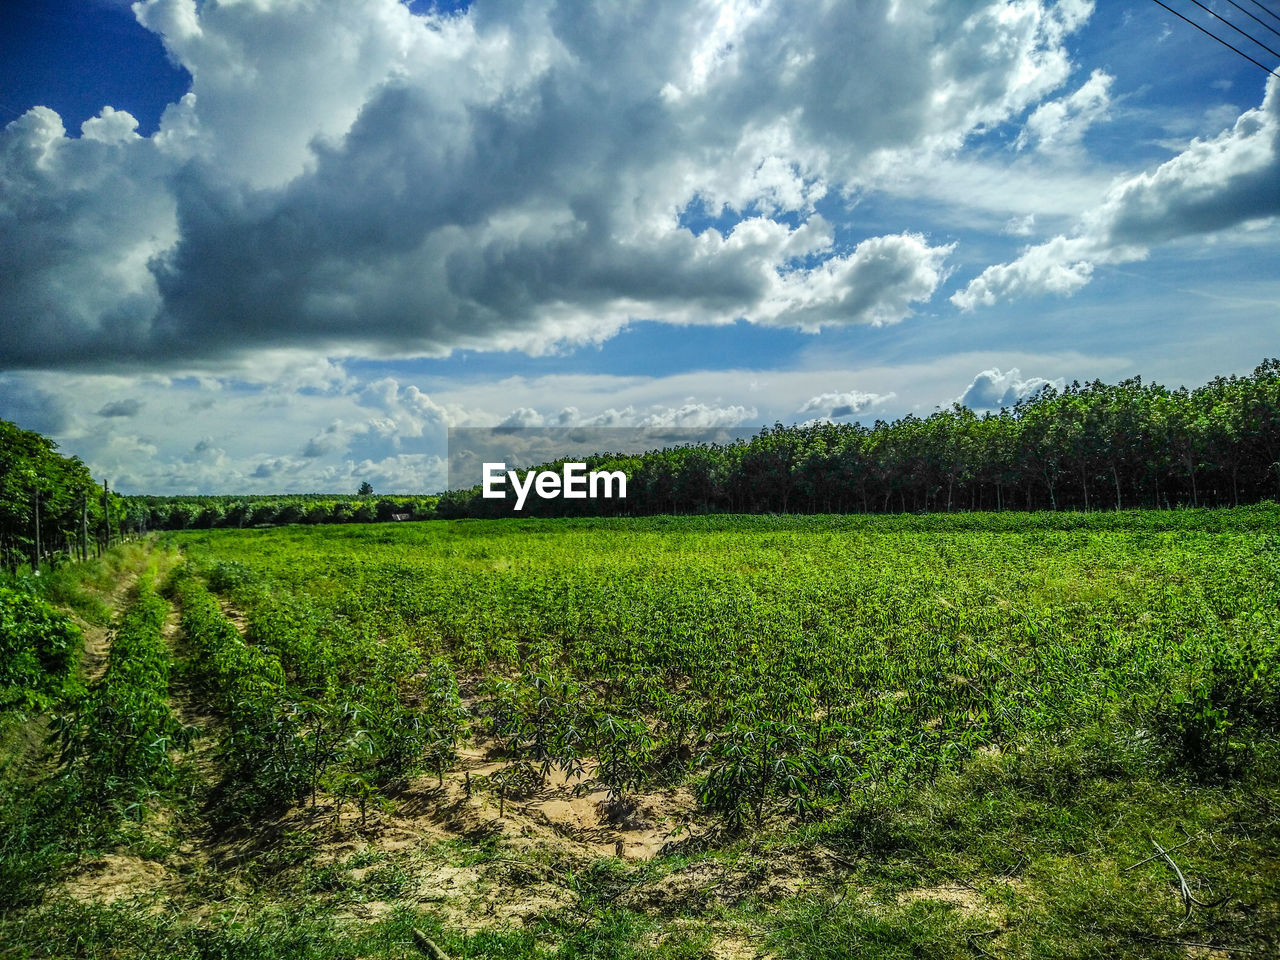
x: 204, y: 513
x: 1087, y: 447
x: 50, y: 506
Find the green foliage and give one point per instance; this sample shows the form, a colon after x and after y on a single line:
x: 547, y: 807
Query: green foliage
x: 46, y: 500
x: 749, y: 765
x: 40, y: 830
x: 1213, y: 723
x: 442, y: 717
x: 786, y: 667
x: 228, y: 576
x: 314, y: 706
x: 936, y: 735
x: 1085, y: 447
x: 208, y: 512
x: 625, y: 750
x: 264, y: 747
x: 118, y: 738
x: 37, y: 648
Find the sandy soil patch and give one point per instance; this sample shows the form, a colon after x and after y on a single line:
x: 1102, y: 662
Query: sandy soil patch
x: 115, y: 877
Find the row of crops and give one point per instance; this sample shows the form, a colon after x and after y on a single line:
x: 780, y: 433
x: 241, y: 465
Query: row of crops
x: 776, y: 665
x: 118, y: 741
x: 300, y: 718
x: 1019, y: 702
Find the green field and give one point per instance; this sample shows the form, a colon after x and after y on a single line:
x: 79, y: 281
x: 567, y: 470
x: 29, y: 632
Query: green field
x: 942, y: 736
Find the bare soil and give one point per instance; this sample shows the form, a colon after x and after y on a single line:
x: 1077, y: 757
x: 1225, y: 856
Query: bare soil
x: 97, y: 637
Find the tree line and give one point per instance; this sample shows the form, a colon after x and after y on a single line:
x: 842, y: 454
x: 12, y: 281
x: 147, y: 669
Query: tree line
x: 50, y: 505
x: 52, y: 509
x: 1090, y: 446
x: 208, y: 512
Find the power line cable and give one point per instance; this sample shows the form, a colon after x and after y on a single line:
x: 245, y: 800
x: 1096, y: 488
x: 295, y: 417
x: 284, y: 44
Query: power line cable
x: 1268, y: 12
x: 1265, y: 25
x: 1235, y: 28
x: 1263, y: 67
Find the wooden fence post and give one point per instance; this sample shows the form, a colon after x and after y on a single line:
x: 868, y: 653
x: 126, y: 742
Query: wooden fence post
x: 35, y: 566
x: 106, y: 518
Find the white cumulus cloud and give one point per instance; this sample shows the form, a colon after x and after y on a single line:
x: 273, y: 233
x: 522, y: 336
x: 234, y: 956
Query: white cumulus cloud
x: 360, y: 178
x: 1060, y: 124
x: 841, y: 405
x: 993, y: 390
x: 1213, y: 185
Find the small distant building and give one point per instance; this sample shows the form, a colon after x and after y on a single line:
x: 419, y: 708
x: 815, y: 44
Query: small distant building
x: 401, y: 516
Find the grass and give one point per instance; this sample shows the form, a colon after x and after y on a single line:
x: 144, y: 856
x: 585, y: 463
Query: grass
x: 1040, y: 698
x: 1039, y: 873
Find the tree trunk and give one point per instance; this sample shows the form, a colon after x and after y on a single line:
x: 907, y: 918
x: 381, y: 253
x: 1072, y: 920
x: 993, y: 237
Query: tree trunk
x: 35, y: 562
x: 106, y: 515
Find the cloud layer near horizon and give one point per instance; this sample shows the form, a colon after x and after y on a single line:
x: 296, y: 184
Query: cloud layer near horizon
x: 359, y: 178
x: 319, y: 428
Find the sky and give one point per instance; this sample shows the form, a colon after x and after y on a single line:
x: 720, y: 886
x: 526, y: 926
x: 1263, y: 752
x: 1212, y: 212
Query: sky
x: 269, y: 246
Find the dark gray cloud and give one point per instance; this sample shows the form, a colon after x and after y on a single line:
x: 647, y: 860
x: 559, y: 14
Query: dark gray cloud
x: 128, y: 407
x: 326, y: 442
x: 1214, y: 184
x: 31, y: 407
x: 269, y: 468
x: 509, y: 179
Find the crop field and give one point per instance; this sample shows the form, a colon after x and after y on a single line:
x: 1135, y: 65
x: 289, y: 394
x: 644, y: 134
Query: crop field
x: 979, y: 735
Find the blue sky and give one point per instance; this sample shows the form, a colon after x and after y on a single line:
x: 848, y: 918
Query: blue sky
x: 283, y: 245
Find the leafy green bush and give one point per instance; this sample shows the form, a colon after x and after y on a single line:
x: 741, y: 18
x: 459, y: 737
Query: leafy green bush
x: 37, y: 648
x: 752, y: 764
x: 1209, y: 725
x: 228, y: 575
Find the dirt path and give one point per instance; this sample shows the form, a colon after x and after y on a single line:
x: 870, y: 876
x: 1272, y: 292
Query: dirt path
x: 124, y: 874
x: 237, y: 617
x: 97, y: 637
x: 188, y: 703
